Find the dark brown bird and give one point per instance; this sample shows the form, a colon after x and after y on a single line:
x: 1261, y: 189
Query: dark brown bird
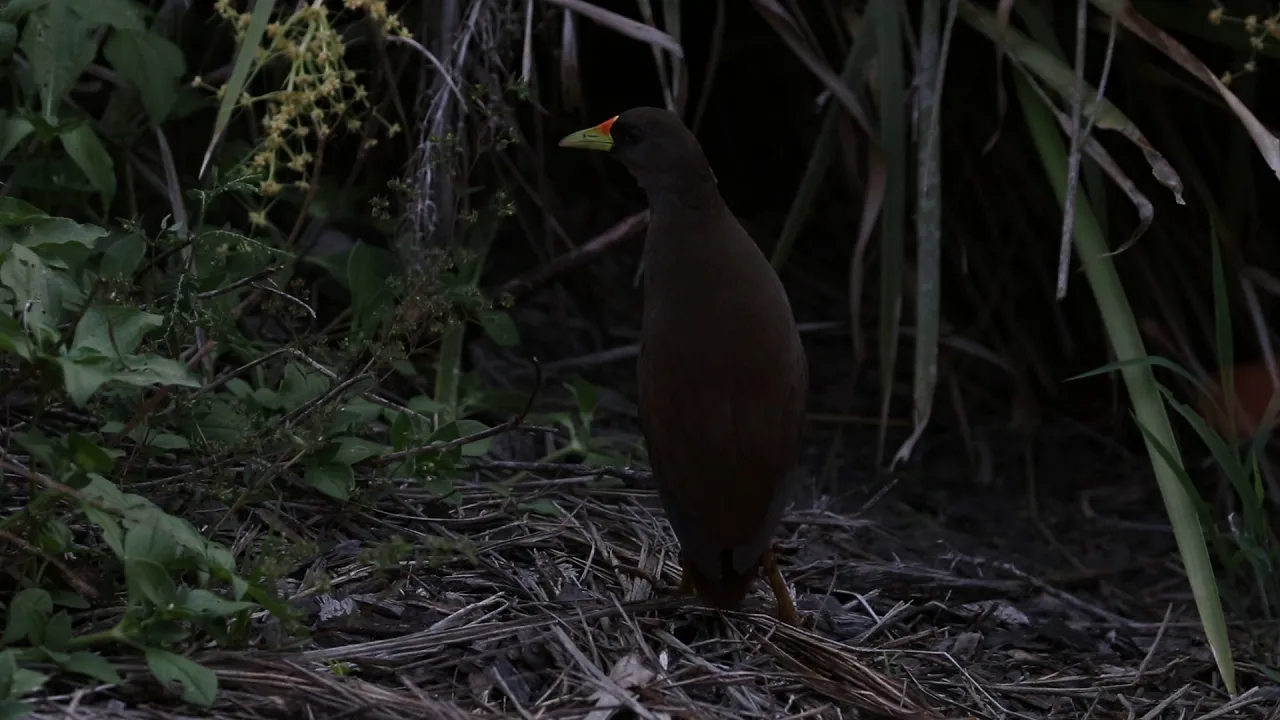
x: 722, y: 373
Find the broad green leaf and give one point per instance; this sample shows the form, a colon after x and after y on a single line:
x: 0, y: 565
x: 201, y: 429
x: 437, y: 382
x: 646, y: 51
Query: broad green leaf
x: 88, y: 455
x: 168, y: 441
x: 105, y: 493
x: 332, y: 479
x: 478, y: 448
x: 15, y: 709
x: 300, y: 386
x: 352, y: 450
x: 92, y: 665
x: 57, y: 231
x: 27, y: 276
x: 146, y: 370
x: 355, y: 412
x: 203, y: 602
x: 12, y: 132
x: 500, y: 328
x: 15, y: 10
x: 119, y: 14
x: 57, y: 632
x: 151, y: 64
x: 424, y: 405
x: 16, y: 212
x: 28, y: 612
x: 585, y: 393
x: 59, y: 45
x: 114, y: 330
x: 147, y: 541
x: 8, y: 668
x: 148, y: 580
x: 13, y: 338
x: 220, y: 422
x: 180, y: 532
x: 84, y: 370
x: 28, y: 681
x: 122, y: 257
x: 88, y: 152
x: 368, y: 269
x: 403, y: 431
x: 8, y: 41
x: 199, y: 683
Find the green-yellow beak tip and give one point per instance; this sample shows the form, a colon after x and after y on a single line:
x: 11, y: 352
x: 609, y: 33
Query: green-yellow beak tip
x: 593, y: 138
x: 589, y: 139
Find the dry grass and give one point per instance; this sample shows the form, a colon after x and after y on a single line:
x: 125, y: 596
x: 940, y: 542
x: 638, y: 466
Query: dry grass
x: 544, y: 616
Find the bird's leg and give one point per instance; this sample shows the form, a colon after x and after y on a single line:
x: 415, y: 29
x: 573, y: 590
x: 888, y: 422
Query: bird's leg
x: 786, y: 606
x: 686, y: 577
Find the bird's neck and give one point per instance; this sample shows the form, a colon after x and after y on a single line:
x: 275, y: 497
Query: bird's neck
x: 690, y: 193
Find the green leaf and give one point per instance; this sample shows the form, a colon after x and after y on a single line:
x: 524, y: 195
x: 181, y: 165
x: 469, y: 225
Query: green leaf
x: 92, y: 665
x: 119, y: 14
x: 368, y: 268
x: 220, y: 422
x: 355, y: 412
x: 500, y: 328
x: 479, y: 448
x: 12, y: 132
x: 13, y: 338
x: 585, y: 393
x: 403, y: 431
x: 424, y: 405
x: 88, y: 455
x: 16, y: 212
x: 332, y: 479
x: 88, y: 152
x: 28, y: 612
x: 121, y: 259
x: 8, y: 668
x: 151, y: 64
x: 168, y: 441
x: 143, y: 370
x: 352, y: 450
x: 203, y: 602
x: 15, y: 10
x: 104, y: 492
x: 115, y: 331
x: 8, y: 41
x: 148, y: 580
x: 58, y: 231
x: 148, y: 540
x: 199, y: 684
x: 59, y: 45
x: 300, y: 386
x: 27, y: 276
x: 28, y: 681
x: 57, y: 632
x: 84, y: 370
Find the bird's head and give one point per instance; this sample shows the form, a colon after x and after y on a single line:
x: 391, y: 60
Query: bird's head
x: 650, y: 142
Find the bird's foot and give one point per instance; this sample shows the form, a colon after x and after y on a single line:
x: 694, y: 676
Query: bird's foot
x: 787, y: 612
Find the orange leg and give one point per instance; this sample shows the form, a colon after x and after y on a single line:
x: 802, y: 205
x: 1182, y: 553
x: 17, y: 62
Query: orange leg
x: 686, y: 578
x: 786, y: 606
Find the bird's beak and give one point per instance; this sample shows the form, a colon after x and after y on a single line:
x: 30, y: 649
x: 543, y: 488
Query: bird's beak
x: 594, y: 138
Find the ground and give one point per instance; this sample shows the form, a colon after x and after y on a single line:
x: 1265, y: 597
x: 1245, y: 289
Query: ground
x: 941, y: 592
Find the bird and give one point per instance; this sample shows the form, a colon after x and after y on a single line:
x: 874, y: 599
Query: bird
x: 722, y: 374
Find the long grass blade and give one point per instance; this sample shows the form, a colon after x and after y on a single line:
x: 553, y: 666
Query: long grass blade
x: 1148, y: 404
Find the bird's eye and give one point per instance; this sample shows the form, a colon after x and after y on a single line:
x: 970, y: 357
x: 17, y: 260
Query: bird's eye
x: 625, y: 134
